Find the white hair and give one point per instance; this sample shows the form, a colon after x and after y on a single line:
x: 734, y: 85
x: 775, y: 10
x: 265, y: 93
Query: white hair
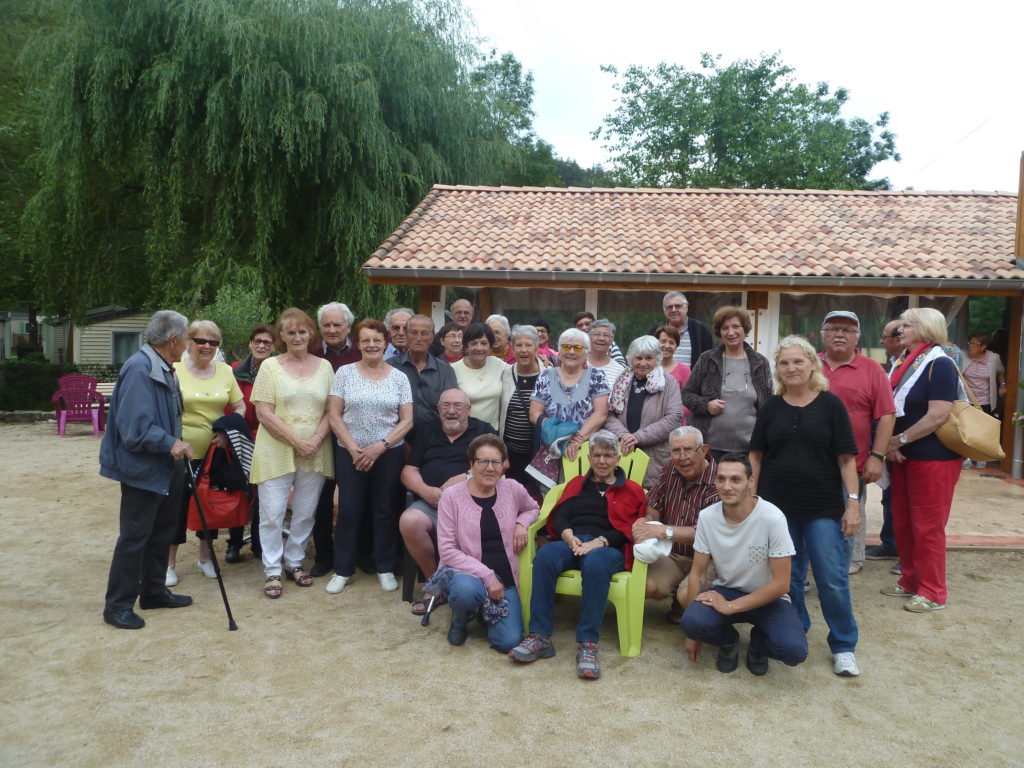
x: 524, y: 330
x: 345, y: 312
x: 391, y: 313
x: 684, y: 431
x: 603, y: 323
x: 605, y: 438
x: 575, y: 336
x: 164, y: 324
x: 500, y: 320
x: 644, y: 345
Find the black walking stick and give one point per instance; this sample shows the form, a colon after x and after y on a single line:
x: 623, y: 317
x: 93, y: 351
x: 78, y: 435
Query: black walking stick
x: 213, y: 555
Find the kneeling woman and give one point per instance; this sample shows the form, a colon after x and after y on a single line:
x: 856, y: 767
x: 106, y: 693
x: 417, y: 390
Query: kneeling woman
x: 481, y: 527
x: 594, y: 522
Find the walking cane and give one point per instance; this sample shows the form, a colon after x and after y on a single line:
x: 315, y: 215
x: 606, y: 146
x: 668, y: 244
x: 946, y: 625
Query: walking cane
x: 232, y: 626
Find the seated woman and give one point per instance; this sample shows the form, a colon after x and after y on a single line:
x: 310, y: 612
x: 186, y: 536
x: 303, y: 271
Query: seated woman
x: 481, y: 527
x: 593, y: 523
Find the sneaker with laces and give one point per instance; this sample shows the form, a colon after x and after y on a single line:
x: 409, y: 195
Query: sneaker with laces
x: 728, y: 658
x: 337, y: 583
x: 532, y: 648
x: 896, y: 591
x: 920, y: 604
x: 388, y: 582
x: 845, y: 665
x: 587, y: 667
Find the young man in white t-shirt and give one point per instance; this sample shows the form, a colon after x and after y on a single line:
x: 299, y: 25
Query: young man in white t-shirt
x: 748, y: 539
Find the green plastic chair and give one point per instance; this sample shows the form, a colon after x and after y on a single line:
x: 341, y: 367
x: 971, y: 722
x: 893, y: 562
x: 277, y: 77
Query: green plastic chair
x: 627, y: 591
x: 634, y: 465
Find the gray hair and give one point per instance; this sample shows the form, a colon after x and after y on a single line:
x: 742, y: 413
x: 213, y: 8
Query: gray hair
x: 644, y: 345
x: 164, y: 324
x: 604, y: 322
x: 673, y: 295
x: 684, y: 431
x: 575, y: 336
x: 391, y: 313
x: 419, y: 317
x: 525, y: 330
x: 500, y: 320
x: 605, y: 438
x: 345, y: 312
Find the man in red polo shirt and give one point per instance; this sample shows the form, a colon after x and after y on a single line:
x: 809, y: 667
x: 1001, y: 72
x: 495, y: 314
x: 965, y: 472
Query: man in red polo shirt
x: 864, y: 388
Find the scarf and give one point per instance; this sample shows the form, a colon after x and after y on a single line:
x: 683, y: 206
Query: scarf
x: 492, y: 611
x: 909, y: 371
x: 655, y: 383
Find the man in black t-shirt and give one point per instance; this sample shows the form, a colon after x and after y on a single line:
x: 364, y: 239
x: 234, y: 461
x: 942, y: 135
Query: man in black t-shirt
x: 438, y: 459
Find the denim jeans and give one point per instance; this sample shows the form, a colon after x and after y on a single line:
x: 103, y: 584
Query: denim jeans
x: 776, y: 633
x: 820, y: 541
x: 466, y: 596
x: 597, y: 567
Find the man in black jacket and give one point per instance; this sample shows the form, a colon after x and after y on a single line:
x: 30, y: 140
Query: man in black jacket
x: 694, y: 336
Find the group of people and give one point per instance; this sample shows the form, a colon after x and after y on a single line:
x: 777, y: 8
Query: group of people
x: 445, y: 441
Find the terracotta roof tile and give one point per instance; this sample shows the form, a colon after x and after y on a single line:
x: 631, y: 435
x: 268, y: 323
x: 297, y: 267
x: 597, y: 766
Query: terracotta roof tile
x: 786, y: 233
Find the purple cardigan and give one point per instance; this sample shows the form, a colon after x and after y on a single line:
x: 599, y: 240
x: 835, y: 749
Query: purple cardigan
x: 458, y: 526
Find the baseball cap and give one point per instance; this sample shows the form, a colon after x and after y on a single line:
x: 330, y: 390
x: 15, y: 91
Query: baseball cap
x: 843, y: 314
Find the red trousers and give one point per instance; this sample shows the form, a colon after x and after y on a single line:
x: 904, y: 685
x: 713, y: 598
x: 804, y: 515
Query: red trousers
x: 922, y: 496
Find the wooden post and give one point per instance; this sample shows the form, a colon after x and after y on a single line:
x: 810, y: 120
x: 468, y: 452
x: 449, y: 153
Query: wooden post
x: 1011, y: 400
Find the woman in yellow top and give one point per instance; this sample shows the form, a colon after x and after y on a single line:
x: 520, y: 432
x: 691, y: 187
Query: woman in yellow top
x: 290, y: 394
x: 206, y: 387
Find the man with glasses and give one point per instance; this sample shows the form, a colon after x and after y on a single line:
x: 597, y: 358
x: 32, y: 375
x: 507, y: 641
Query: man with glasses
x: 865, y: 390
x: 437, y: 461
x: 395, y: 321
x: 694, y: 336
x: 685, y: 487
x: 428, y: 376
x: 462, y: 315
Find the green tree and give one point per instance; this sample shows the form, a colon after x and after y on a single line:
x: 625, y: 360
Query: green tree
x: 270, y: 144
x: 748, y: 124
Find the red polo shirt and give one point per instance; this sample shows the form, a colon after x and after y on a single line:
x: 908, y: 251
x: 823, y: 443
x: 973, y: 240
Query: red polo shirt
x: 867, y: 394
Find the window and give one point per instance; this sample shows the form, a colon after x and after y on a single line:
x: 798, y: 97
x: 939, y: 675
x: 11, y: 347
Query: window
x: 124, y: 344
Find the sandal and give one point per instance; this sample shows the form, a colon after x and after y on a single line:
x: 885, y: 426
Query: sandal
x: 272, y: 587
x: 419, y: 607
x: 299, y: 576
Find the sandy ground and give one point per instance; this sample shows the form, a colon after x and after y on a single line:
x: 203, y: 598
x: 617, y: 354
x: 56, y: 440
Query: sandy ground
x: 320, y: 680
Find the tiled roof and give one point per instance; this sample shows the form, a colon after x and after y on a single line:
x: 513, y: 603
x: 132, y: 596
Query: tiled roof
x: 649, y: 235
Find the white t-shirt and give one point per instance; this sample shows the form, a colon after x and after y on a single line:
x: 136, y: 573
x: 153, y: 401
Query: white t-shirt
x: 741, y: 551
x: 371, y: 406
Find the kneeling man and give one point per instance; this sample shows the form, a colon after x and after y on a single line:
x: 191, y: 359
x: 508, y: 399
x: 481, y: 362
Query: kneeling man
x: 748, y: 539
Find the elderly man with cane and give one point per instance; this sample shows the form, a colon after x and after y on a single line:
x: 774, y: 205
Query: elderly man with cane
x: 143, y: 450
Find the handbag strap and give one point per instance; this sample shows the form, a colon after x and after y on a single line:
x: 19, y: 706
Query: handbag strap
x: 967, y: 389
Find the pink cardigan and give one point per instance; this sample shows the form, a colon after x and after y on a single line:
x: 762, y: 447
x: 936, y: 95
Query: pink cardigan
x: 458, y: 526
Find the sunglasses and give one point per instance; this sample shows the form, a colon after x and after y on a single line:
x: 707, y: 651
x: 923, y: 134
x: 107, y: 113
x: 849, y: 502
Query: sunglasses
x: 204, y: 342
x: 572, y: 347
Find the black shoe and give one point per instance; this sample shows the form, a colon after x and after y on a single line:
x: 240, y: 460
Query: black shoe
x: 878, y: 552
x: 675, y: 613
x: 756, y: 663
x: 728, y: 658
x: 165, y: 600
x: 457, y: 633
x: 321, y: 568
x: 125, y: 618
x: 232, y: 554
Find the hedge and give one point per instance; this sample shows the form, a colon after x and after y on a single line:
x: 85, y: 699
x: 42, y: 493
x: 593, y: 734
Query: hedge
x: 28, y: 385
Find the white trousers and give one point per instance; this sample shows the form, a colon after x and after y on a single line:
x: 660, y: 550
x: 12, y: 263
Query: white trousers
x: 274, y: 505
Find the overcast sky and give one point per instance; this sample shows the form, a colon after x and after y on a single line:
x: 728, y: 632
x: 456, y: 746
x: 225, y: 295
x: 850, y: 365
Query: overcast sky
x: 949, y: 74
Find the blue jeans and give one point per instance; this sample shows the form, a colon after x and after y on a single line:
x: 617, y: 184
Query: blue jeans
x: 776, y: 633
x: 820, y: 541
x: 597, y: 567
x: 466, y: 596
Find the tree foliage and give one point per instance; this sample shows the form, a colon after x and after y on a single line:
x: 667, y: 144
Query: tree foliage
x: 747, y: 124
x: 265, y: 144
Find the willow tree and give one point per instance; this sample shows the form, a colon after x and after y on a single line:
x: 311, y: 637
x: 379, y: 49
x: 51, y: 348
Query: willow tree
x: 269, y: 145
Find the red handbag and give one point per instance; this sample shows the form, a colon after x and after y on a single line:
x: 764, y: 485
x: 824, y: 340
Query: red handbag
x: 222, y: 509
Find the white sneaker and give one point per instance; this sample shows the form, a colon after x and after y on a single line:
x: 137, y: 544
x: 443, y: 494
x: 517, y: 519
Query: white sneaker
x: 206, y: 566
x: 171, y: 579
x: 845, y: 665
x: 388, y: 582
x: 337, y: 583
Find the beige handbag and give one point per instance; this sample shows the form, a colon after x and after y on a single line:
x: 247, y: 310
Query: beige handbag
x: 970, y: 431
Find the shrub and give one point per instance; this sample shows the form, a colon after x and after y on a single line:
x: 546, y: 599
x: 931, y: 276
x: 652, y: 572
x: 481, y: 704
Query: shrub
x: 28, y: 385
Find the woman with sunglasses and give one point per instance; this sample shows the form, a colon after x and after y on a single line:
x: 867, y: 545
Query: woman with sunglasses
x: 573, y: 392
x: 207, y: 386
x: 481, y: 528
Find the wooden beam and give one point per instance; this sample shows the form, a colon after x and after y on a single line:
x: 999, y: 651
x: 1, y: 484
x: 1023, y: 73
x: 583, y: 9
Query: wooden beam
x: 428, y: 294
x: 1011, y: 400
x: 1018, y: 241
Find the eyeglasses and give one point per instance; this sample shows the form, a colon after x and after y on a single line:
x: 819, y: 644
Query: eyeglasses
x: 488, y: 462
x: 684, y: 451
x: 841, y: 331
x: 204, y: 342
x: 572, y: 347
x: 262, y: 342
x: 603, y: 457
x: 674, y: 306
x: 975, y: 344
x: 451, y: 406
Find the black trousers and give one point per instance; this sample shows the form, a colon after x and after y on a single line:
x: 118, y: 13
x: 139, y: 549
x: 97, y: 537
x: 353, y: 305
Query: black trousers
x: 375, y: 492
x: 139, y: 564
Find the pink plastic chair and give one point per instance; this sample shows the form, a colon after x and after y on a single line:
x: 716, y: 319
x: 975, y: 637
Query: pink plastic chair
x: 78, y: 400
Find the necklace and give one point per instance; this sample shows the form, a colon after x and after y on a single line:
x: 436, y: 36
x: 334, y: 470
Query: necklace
x: 639, y: 385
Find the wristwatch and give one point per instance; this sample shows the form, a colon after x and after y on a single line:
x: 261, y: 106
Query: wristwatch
x: 668, y: 533
x: 903, y: 438
x: 603, y: 540
x: 854, y: 496
x: 877, y: 455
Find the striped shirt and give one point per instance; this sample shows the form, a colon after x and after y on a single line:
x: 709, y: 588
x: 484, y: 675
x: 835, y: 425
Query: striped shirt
x: 680, y: 502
